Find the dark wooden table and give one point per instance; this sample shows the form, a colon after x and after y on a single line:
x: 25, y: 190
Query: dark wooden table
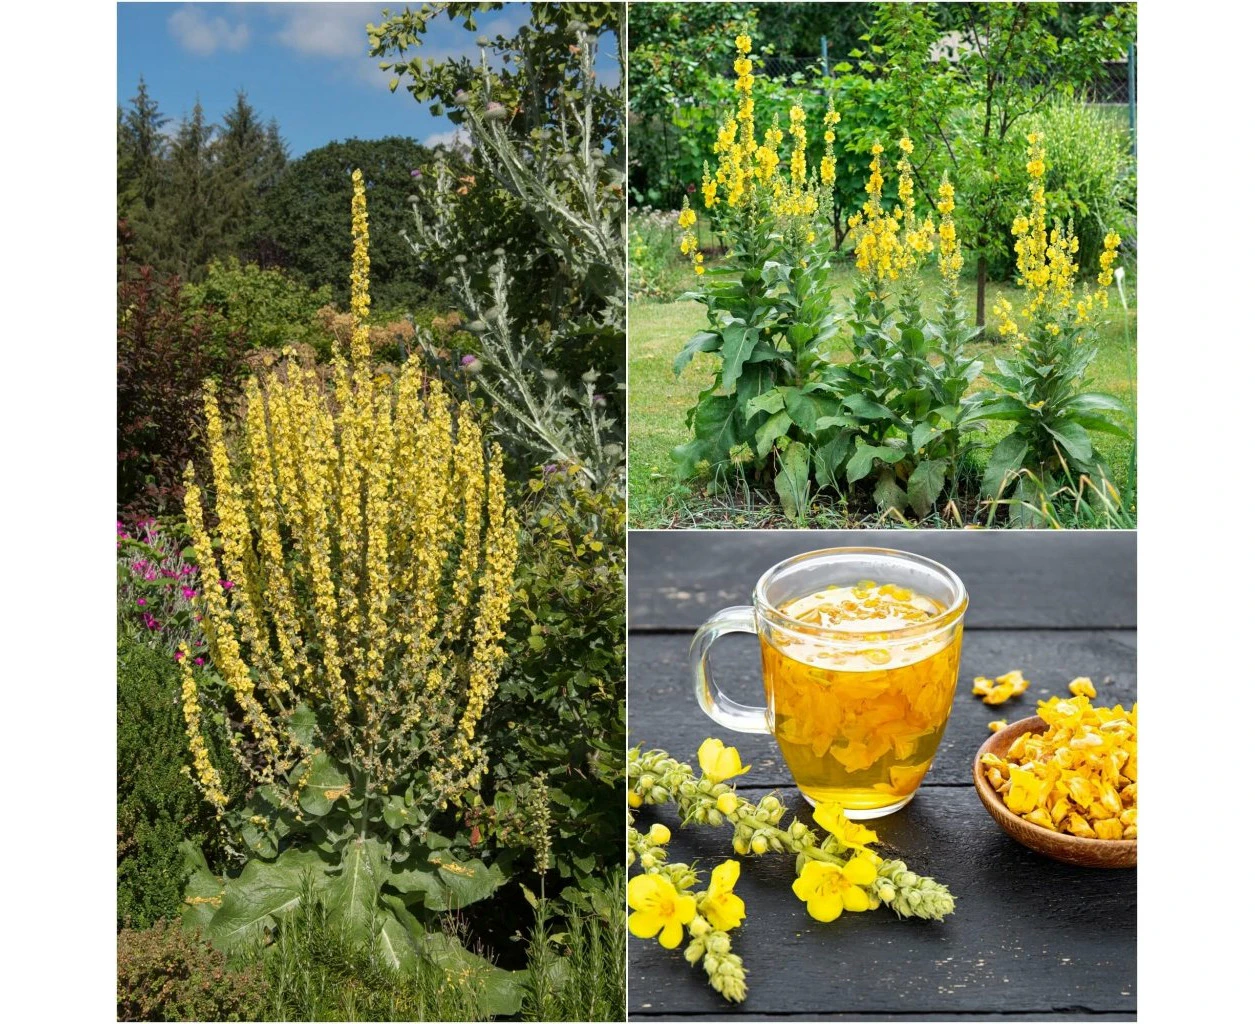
x: 1030, y: 939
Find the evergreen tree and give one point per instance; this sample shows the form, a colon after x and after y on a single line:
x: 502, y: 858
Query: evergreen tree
x: 190, y: 222
x: 141, y: 152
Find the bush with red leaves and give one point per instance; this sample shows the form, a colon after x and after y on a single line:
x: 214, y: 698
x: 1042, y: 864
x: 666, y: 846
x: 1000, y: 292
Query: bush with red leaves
x: 166, y: 351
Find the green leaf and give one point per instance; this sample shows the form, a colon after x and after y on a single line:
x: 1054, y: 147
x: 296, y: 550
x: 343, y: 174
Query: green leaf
x: 866, y: 408
x: 500, y: 991
x: 829, y: 458
x: 806, y: 409
x: 462, y: 882
x: 202, y: 895
x: 394, y: 943
x: 924, y: 486
x: 714, y: 429
x: 324, y: 785
x: 887, y: 492
x: 1007, y: 457
x: 702, y: 341
x: 264, y: 892
x: 921, y: 435
x: 793, y: 481
x: 1074, y: 439
x: 1004, y: 409
x: 777, y: 426
x: 303, y: 724
x: 738, y: 343
x: 770, y: 402
x: 353, y: 892
x: 865, y: 456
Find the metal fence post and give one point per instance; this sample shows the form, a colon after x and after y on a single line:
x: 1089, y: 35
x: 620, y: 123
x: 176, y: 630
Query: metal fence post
x: 1132, y: 64
x: 823, y: 53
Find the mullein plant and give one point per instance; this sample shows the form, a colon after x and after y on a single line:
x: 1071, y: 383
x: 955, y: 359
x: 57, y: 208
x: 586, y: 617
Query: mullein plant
x: 836, y: 872
x: 562, y: 168
x: 1040, y: 387
x: 354, y: 595
x: 768, y: 304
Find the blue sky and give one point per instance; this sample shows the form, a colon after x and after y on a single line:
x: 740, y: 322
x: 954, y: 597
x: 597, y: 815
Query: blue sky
x: 304, y: 64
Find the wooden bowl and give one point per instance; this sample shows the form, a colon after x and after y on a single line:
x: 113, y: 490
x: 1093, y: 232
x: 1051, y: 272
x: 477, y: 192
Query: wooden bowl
x: 1089, y: 853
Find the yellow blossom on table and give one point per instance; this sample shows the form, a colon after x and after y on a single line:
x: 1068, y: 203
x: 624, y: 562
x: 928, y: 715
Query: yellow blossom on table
x: 831, y: 817
x: 659, y: 909
x: 723, y: 908
x: 828, y: 889
x: 659, y: 834
x: 719, y: 763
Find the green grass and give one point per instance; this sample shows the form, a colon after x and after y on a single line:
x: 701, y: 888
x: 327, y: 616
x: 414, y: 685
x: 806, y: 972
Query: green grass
x: 658, y: 402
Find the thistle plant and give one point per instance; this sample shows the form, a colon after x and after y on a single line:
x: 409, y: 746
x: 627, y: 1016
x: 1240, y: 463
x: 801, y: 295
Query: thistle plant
x: 836, y: 872
x: 547, y: 161
x: 354, y: 596
x: 1040, y: 388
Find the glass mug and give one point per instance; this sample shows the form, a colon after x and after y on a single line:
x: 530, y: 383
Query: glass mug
x: 860, y: 652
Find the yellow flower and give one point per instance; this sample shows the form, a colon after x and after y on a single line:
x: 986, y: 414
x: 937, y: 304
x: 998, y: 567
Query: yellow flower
x: 719, y: 763
x: 828, y: 889
x: 727, y: 803
x: 831, y: 817
x: 687, y: 217
x: 659, y: 834
x: 658, y: 907
x: 721, y: 906
x: 743, y: 43
x: 634, y: 798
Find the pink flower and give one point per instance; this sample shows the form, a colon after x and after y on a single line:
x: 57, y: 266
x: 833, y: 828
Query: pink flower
x: 189, y: 592
x: 200, y: 661
x: 150, y: 622
x: 226, y: 584
x: 178, y: 655
x: 141, y: 601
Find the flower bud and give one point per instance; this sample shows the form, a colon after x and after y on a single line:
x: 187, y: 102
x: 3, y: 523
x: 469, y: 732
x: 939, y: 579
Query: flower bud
x: 759, y: 844
x: 727, y: 803
x: 648, y: 781
x: 659, y: 833
x: 699, y: 927
x: 482, y: 41
x: 634, y: 798
x: 719, y: 944
x: 461, y: 97
x: 659, y: 795
x: 495, y: 112
x: 741, y: 845
x: 648, y: 860
x: 450, y: 281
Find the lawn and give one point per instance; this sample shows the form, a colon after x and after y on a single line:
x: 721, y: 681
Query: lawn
x: 658, y: 402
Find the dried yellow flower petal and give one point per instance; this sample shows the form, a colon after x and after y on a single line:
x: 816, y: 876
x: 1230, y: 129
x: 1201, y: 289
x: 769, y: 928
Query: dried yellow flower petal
x: 1079, y: 775
x: 998, y: 726
x: 1082, y: 686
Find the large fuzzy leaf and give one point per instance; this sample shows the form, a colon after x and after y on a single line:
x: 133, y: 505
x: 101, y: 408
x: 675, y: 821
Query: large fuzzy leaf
x: 1074, y: 439
x: 865, y: 456
x: 714, y: 423
x: 202, y: 895
x: 500, y: 991
x: 1007, y: 457
x: 793, y: 481
x: 324, y: 785
x: 265, y: 891
x: 924, y: 486
x: 352, y: 894
x: 702, y: 341
x: 464, y: 882
x: 777, y: 425
x: 738, y: 343
x: 828, y: 459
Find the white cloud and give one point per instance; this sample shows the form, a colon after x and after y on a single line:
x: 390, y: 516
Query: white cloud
x: 454, y: 137
x: 327, y: 30
x: 202, y: 35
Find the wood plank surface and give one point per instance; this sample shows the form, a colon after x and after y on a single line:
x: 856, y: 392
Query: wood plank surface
x: 1030, y: 939
x: 677, y: 579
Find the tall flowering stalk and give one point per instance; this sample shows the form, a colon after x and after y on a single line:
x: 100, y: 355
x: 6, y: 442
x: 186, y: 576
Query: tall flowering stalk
x: 354, y: 591
x: 1040, y: 387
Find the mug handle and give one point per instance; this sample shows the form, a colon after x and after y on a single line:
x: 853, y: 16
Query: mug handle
x: 718, y: 705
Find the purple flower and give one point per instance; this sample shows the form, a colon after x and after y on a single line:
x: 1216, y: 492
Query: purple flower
x: 468, y: 359
x: 550, y: 468
x: 189, y: 592
x: 416, y: 173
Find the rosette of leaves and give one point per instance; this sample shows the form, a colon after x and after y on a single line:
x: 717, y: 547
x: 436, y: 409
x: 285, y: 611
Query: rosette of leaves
x: 543, y: 202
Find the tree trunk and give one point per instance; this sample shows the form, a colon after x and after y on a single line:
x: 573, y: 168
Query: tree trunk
x: 982, y: 274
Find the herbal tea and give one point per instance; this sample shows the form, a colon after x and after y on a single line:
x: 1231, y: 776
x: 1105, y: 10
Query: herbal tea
x: 859, y: 721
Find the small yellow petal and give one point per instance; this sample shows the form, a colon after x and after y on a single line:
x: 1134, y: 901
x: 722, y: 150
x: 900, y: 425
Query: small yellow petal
x: 826, y: 907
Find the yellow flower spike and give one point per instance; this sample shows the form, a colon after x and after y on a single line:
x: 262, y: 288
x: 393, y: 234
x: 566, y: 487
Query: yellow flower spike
x: 659, y: 909
x: 659, y: 834
x: 721, y: 906
x: 831, y: 817
x: 828, y: 889
x: 719, y: 763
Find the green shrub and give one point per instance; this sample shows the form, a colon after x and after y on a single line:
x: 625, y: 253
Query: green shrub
x: 267, y: 308
x: 158, y: 807
x: 559, y: 711
x: 165, y: 973
x: 1090, y: 176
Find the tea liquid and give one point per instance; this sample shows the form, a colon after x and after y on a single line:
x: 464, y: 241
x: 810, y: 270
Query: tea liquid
x: 859, y: 720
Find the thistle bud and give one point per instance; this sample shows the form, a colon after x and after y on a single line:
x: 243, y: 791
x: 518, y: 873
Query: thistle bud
x: 495, y: 112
